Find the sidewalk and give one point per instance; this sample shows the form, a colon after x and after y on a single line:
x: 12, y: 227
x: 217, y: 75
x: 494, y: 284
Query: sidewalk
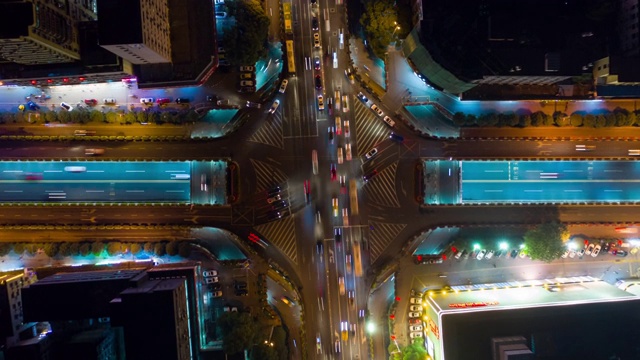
x: 369, y: 70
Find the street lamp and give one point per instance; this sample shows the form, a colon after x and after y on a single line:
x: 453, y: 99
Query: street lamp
x: 394, y: 30
x: 371, y: 327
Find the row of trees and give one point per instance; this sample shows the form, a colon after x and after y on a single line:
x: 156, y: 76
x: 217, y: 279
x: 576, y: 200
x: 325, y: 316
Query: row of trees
x: 83, y: 116
x: 546, y: 242
x: 619, y: 117
x: 97, y: 248
x: 413, y: 351
x: 245, y: 42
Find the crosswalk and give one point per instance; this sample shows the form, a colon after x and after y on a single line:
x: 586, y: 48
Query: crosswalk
x: 282, y: 235
x: 381, y: 189
x: 267, y: 175
x: 380, y: 236
x: 369, y: 128
x: 270, y: 133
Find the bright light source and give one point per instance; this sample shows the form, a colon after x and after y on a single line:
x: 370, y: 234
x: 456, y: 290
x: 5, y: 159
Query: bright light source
x: 571, y: 246
x: 521, y: 246
x: 503, y: 245
x: 476, y: 246
x: 371, y: 327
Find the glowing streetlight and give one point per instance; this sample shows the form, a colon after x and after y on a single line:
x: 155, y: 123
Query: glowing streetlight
x: 503, y: 245
x: 476, y: 246
x: 521, y: 246
x: 394, y: 30
x: 371, y: 327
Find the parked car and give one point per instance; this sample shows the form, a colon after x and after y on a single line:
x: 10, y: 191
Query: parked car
x: 211, y: 280
x: 242, y: 292
x: 217, y: 294
x: 414, y: 315
x: 489, y: 254
x: 247, y: 68
x: 247, y: 83
x: 580, y: 252
x: 396, y: 137
x: 388, y: 121
x: 415, y: 301
x: 182, y: 100
x: 376, y: 110
x: 596, y: 251
x: 209, y: 273
x: 162, y: 101
x: 146, y: 101
x: 283, y: 86
x: 415, y: 308
x: 33, y: 106
x: 459, y: 254
x: 589, y: 249
x: 91, y: 102
x: 66, y: 106
x: 368, y: 176
x: 246, y: 76
x: 415, y: 335
x: 415, y: 328
x: 415, y: 321
x: 109, y: 101
x: 481, y: 254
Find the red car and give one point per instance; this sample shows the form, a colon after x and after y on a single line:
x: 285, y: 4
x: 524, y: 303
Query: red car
x: 333, y: 172
x: 162, y: 101
x: 91, y: 102
x: 33, y: 176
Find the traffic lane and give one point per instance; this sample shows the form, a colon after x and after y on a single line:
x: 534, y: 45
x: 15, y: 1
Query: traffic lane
x: 107, y: 191
x: 93, y: 170
x: 550, y: 190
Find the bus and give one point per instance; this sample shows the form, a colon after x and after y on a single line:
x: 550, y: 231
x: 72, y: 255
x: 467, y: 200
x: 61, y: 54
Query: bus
x: 286, y: 12
x: 353, y: 196
x: 291, y: 62
x: 357, y: 259
x: 633, y: 152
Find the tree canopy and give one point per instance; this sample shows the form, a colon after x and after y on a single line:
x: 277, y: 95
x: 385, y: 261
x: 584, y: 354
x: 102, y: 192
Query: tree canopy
x: 239, y: 331
x: 379, y: 21
x: 245, y: 42
x: 545, y: 241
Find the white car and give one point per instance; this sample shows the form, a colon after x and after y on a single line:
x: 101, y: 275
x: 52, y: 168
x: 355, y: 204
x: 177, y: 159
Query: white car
x: 481, y: 254
x: 388, y: 121
x: 415, y: 328
x: 596, y: 251
x: 274, y: 106
x: 572, y: 254
x: 565, y: 254
x: 283, y: 86
x: 146, y: 101
x: 109, y: 101
x: 415, y: 335
x: 415, y: 308
x: 489, y: 255
x: 377, y: 110
x: 371, y: 153
x: 340, y: 156
x: 211, y: 280
x: 415, y: 301
x: 66, y: 106
x: 209, y: 273
x: 347, y: 149
x: 203, y: 183
x: 414, y: 315
x: 589, y: 249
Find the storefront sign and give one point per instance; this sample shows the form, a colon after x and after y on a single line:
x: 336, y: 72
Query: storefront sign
x: 472, y: 304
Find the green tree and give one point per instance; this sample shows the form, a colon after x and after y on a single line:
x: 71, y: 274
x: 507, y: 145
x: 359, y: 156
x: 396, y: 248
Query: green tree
x: 84, y: 249
x: 632, y: 119
x: 172, y: 248
x: 459, y: 119
x: 130, y: 117
x: 142, y: 116
x: 74, y: 249
x: 512, y: 120
x: 576, y: 119
x: 160, y: 249
x: 611, y: 119
x: 18, y: 248
x: 394, y: 352
x: 546, y: 241
x: 135, y: 248
x: 251, y: 30
x: 264, y: 352
x: 154, y: 116
x: 114, y: 248
x: 239, y: 330
x: 96, y: 116
x: 32, y: 248
x: 589, y: 121
x: 525, y: 120
x: 64, y: 117
x: 97, y: 248
x: 184, y: 249
x: 379, y: 21
x: 65, y: 249
x: 148, y: 247
x: 538, y: 118
x: 5, y: 248
x: 601, y: 121
x: 51, y: 116
x: 472, y: 120
x: 414, y: 351
x: 51, y: 249
x: 112, y: 117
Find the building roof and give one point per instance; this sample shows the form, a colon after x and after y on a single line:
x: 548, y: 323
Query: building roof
x: 526, y: 297
x: 120, y: 22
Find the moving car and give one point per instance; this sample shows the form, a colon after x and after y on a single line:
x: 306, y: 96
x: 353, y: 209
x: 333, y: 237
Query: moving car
x: 66, y: 106
x: 221, y: 15
x: 316, y: 63
x: 340, y: 156
x: 146, y: 101
x: 368, y: 176
x: 318, y: 345
x: 314, y: 23
x: 279, y: 204
x: 377, y: 110
x: 350, y: 76
x: 320, y: 103
x: 341, y: 284
x: 283, y: 86
x: 371, y: 153
x: 338, y: 122
x: 203, y: 183
x: 333, y: 172
x: 316, y: 40
x: 396, y: 137
x: 337, y: 96
x: 388, y: 121
x: 362, y: 97
x: 93, y: 151
x: 274, y: 199
x: 252, y: 104
x: 345, y: 104
x: 347, y: 151
x: 33, y: 106
x: 318, y: 82
x: 274, y: 106
x: 334, y: 203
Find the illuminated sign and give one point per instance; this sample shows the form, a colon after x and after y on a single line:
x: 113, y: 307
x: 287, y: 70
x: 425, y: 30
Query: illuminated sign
x: 433, y: 327
x: 472, y: 304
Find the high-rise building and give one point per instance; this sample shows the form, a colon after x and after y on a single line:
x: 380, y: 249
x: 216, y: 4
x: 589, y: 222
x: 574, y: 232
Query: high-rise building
x: 629, y: 27
x: 146, y: 39
x: 37, y: 32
